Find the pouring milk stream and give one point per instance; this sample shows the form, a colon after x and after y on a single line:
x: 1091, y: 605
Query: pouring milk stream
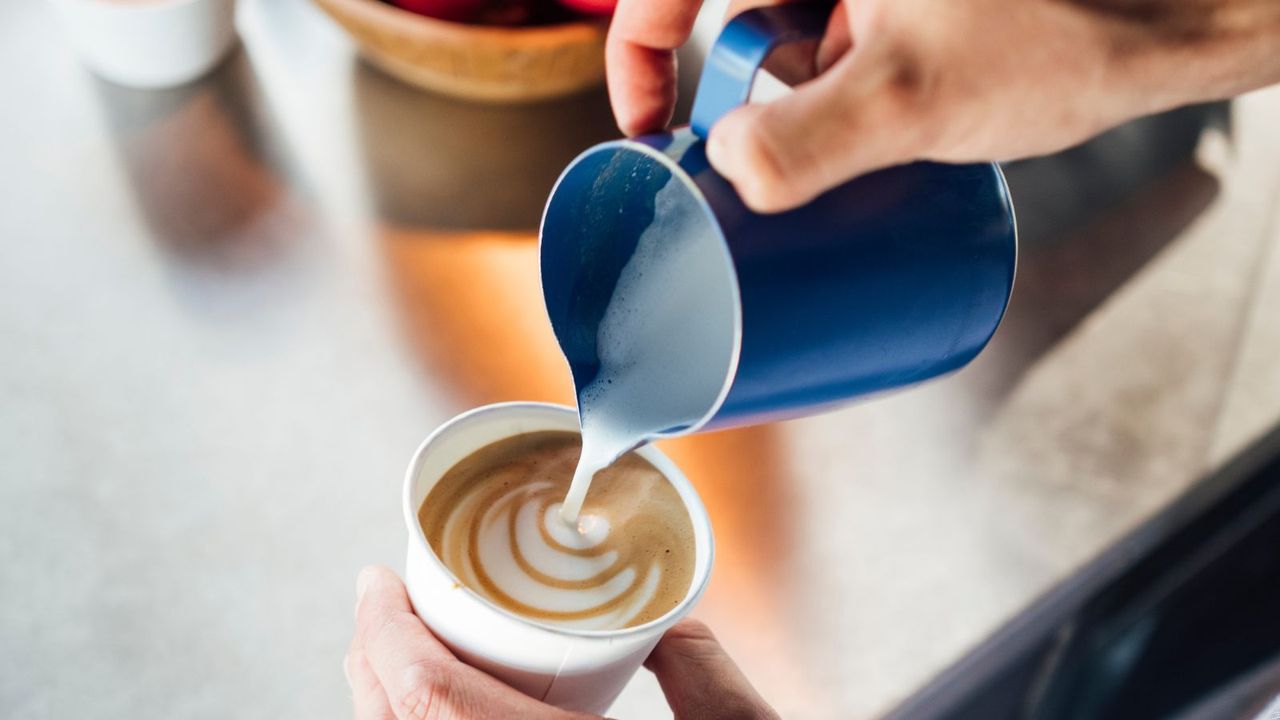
x: 666, y: 299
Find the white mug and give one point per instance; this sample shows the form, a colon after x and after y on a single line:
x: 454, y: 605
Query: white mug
x: 152, y: 44
x: 581, y: 670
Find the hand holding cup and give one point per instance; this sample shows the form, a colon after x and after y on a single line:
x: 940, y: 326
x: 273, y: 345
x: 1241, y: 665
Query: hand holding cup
x: 398, y: 669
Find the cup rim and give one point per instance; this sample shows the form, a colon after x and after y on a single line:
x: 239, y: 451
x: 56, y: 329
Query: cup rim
x: 631, y: 145
x: 688, y: 495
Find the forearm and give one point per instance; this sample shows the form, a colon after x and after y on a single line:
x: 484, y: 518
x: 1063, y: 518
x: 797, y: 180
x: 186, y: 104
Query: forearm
x: 1168, y: 53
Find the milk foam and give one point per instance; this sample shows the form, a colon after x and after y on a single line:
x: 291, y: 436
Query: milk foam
x: 666, y: 343
x: 494, y: 521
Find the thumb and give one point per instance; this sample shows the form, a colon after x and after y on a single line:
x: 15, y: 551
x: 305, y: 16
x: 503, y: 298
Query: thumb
x: 861, y: 115
x: 700, y: 680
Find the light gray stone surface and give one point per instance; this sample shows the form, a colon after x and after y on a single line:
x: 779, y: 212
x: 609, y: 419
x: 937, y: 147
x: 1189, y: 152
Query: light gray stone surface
x: 228, y: 314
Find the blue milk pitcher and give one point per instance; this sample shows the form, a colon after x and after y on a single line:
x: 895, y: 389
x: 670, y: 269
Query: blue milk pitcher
x: 649, y: 256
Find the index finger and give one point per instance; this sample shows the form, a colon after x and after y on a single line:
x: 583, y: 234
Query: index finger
x: 418, y: 673
x: 386, y: 625
x: 640, y: 57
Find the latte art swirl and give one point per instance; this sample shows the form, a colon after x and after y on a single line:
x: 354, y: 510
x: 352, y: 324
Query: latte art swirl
x: 494, y: 521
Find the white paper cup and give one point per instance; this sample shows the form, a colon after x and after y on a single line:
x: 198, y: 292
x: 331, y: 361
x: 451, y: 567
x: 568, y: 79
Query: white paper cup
x: 149, y: 43
x: 572, y: 669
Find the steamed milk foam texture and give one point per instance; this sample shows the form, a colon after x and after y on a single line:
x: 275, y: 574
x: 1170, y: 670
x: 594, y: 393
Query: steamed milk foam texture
x: 492, y: 519
x: 666, y: 341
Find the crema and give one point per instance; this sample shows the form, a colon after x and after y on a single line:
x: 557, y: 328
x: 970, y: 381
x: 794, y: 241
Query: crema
x: 494, y: 520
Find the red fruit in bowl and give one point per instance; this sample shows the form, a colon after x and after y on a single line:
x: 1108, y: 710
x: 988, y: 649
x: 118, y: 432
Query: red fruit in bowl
x: 591, y: 7
x: 456, y: 10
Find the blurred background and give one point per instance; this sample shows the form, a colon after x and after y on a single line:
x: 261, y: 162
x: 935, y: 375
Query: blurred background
x: 230, y: 310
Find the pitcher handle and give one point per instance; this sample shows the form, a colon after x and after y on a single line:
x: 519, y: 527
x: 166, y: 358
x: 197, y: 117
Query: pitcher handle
x: 742, y: 46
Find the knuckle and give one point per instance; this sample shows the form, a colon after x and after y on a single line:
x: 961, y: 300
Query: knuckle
x: 906, y: 97
x: 762, y: 152
x: 773, y: 176
x: 426, y: 692
x: 907, y: 84
x: 878, y: 19
x: 380, y: 626
x: 384, y: 630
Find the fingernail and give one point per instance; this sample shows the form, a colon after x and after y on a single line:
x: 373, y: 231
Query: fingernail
x: 716, y: 152
x: 724, y: 148
x: 346, y: 668
x: 362, y: 583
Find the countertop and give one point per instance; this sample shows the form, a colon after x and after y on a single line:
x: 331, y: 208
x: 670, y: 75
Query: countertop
x: 229, y: 313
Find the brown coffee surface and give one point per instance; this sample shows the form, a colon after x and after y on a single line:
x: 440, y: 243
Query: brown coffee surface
x: 492, y: 520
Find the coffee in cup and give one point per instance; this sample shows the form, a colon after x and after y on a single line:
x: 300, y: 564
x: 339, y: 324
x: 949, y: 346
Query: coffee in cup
x: 575, y: 668
x: 493, y: 519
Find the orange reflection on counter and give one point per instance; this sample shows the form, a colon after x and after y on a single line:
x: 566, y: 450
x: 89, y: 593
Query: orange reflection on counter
x: 471, y: 305
x: 744, y: 480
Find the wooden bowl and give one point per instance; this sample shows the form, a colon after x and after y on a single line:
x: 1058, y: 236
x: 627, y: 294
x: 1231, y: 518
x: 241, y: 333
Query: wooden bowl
x: 477, y: 62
